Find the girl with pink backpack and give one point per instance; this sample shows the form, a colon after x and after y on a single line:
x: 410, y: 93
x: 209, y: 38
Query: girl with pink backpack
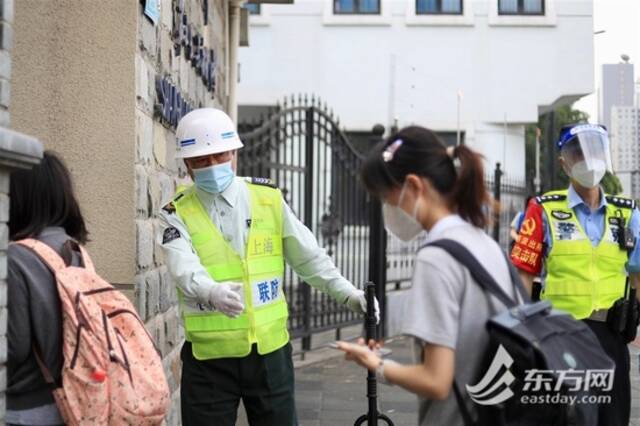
x: 78, y: 354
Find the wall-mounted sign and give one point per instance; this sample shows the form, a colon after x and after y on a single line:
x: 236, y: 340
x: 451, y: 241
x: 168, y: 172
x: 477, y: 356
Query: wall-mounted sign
x: 171, y: 105
x: 152, y: 10
x: 189, y: 42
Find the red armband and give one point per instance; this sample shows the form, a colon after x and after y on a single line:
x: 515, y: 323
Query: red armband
x: 527, y: 250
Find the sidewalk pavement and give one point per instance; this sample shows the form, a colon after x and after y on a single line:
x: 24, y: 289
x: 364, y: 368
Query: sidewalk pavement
x: 332, y: 392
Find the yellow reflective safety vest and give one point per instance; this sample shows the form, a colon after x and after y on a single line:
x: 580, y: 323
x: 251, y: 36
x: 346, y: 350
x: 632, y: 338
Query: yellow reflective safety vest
x: 264, y: 320
x: 582, y: 278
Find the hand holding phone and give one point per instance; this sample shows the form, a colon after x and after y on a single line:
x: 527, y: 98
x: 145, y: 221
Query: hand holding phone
x: 381, y: 352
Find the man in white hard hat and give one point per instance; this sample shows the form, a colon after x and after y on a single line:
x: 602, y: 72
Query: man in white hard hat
x: 226, y: 240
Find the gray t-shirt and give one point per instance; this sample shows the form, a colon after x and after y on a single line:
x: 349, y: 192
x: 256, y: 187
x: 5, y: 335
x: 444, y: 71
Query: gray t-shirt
x: 447, y: 308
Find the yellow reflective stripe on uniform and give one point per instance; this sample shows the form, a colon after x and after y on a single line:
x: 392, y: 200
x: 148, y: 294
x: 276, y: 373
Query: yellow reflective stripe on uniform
x: 234, y: 271
x: 272, y: 313
x: 582, y: 278
x: 212, y: 334
x: 265, y: 265
x: 218, y: 321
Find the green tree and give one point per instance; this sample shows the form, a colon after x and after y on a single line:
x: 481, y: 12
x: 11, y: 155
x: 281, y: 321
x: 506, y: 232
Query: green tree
x: 611, y: 184
x: 551, y: 173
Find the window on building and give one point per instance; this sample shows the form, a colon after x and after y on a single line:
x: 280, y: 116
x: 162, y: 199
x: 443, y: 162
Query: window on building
x: 355, y: 7
x: 521, y: 7
x: 450, y: 138
x: 438, y: 7
x: 254, y: 8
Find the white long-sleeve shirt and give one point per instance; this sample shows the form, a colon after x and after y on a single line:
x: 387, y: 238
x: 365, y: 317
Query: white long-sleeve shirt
x: 230, y: 212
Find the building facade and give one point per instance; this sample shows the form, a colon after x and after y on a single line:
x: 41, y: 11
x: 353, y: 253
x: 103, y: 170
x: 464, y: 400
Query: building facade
x: 484, y: 67
x: 625, y: 141
x: 616, y: 89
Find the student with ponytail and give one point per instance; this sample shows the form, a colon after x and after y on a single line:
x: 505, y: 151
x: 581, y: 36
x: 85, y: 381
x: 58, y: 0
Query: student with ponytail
x: 426, y: 187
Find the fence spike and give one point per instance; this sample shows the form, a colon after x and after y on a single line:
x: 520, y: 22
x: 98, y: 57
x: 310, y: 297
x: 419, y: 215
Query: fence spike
x: 284, y: 103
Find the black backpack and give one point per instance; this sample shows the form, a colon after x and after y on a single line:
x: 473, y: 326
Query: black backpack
x: 536, y: 337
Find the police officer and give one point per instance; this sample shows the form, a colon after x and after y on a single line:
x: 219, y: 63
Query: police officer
x: 582, y: 242
x: 226, y: 240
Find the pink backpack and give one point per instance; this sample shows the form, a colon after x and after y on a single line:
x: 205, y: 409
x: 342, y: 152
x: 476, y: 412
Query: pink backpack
x: 112, y: 372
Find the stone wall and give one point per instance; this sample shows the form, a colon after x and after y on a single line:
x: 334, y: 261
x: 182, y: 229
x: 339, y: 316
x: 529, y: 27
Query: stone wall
x: 157, y: 172
x: 16, y: 151
x: 6, y: 17
x: 6, y: 41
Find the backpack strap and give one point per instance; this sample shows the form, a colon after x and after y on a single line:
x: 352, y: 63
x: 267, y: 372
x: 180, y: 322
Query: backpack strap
x: 464, y: 412
x: 51, y: 258
x: 478, y: 272
x: 488, y: 284
x: 48, y: 255
x: 86, y: 259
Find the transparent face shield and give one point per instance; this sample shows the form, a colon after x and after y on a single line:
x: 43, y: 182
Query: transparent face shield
x: 590, y: 146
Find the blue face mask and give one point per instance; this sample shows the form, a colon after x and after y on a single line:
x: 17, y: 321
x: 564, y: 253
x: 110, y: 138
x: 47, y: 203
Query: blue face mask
x: 214, y: 179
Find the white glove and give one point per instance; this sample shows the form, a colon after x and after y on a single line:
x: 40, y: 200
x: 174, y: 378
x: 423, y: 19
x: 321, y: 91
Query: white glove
x: 225, y: 298
x: 357, y: 302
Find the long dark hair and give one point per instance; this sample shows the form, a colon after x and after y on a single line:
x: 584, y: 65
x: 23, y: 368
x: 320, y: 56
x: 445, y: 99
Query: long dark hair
x: 423, y: 154
x: 43, y: 196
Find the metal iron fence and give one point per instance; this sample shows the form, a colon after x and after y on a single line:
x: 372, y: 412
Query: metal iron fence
x: 300, y: 146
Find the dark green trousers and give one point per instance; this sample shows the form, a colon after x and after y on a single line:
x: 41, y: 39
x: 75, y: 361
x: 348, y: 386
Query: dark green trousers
x: 211, y: 390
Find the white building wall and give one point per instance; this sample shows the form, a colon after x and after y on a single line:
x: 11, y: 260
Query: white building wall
x: 616, y: 90
x: 373, y: 69
x: 625, y: 144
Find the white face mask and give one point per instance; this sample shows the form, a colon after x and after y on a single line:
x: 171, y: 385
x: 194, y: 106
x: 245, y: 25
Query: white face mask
x: 586, y: 177
x: 399, y: 223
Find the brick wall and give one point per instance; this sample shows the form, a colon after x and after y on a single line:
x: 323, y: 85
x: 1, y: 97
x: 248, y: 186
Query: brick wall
x: 157, y: 171
x: 16, y: 151
x: 6, y: 41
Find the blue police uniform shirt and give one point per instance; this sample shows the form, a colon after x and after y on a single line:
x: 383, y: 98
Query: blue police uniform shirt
x: 593, y: 224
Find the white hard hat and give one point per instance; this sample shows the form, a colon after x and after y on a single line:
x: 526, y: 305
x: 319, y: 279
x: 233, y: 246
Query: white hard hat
x: 206, y: 131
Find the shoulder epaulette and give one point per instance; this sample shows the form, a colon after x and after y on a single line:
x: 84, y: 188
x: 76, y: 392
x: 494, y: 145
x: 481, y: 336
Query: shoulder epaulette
x: 552, y: 197
x: 261, y: 181
x: 623, y: 202
x: 170, y: 207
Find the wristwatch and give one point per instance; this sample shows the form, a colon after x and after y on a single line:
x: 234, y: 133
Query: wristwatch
x: 380, y: 372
